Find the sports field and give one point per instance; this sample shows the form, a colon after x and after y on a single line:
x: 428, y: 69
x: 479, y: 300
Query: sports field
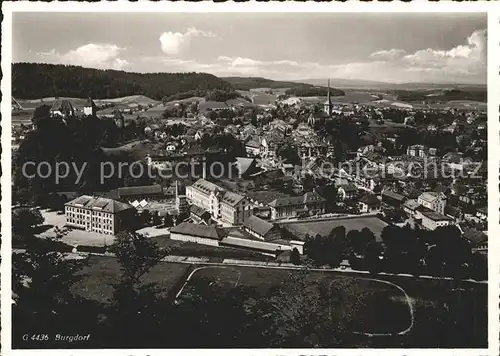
x: 386, y: 309
x: 324, y: 227
x: 394, y: 311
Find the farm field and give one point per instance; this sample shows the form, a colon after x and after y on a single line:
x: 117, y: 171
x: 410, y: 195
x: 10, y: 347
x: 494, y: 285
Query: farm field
x: 324, y: 227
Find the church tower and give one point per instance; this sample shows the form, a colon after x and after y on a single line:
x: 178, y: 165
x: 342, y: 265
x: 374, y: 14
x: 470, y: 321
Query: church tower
x: 328, y: 104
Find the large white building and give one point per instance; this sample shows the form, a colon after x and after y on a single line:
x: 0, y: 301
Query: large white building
x: 434, y: 201
x: 227, y: 206
x: 101, y: 215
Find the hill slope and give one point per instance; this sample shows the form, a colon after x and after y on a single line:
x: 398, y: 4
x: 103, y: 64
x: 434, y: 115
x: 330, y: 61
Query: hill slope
x: 35, y: 80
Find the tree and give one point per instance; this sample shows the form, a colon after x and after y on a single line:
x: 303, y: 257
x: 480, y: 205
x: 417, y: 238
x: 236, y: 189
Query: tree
x: 295, y: 257
x: 373, y: 258
x: 168, y: 221
x: 24, y: 220
x: 43, y: 302
x: 136, y: 255
x: 133, y: 302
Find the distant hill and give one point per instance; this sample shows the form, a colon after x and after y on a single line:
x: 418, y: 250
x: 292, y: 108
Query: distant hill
x: 35, y: 80
x: 437, y: 96
x: 247, y: 83
x: 368, y: 84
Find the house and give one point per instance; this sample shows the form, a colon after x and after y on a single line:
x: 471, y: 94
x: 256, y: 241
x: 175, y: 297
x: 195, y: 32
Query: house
x: 201, y: 234
x: 482, y: 213
x: 434, y: 201
x: 90, y: 108
x: 477, y: 239
x: 417, y: 151
x: 101, y: 215
x: 347, y: 191
x: 410, y: 207
x: 393, y: 199
x: 431, y: 220
x: 62, y: 108
x: 222, y: 204
x: 253, y: 146
x: 261, y: 229
x: 369, y: 203
x: 199, y: 215
x: 308, y: 204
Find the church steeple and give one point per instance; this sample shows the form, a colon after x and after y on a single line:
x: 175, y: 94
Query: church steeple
x: 328, y: 103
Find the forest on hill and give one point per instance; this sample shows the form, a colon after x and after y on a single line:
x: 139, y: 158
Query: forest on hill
x: 442, y: 95
x: 37, y: 80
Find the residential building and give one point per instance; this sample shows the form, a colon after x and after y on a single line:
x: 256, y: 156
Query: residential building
x: 410, y: 207
x: 434, y: 201
x: 432, y: 220
x: 199, y: 215
x: 62, y: 108
x: 101, y: 215
x: 308, y: 204
x: 393, y: 199
x: 417, y: 151
x: 261, y: 229
x: 227, y: 206
x: 347, y: 191
x: 369, y: 203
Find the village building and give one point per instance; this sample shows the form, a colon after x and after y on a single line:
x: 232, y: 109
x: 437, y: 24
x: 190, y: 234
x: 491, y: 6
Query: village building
x: 431, y: 220
x: 101, y: 215
x: 222, y: 204
x: 308, y: 204
x: 369, y: 203
x: 434, y: 201
x: 90, y: 108
x: 347, y: 191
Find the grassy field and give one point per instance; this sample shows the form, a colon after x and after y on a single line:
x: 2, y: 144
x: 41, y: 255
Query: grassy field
x: 324, y: 227
x: 98, y: 278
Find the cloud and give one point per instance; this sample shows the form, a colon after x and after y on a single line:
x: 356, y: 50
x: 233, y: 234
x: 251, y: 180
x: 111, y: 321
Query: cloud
x: 175, y: 43
x: 467, y: 58
x: 103, y: 56
x: 388, y: 55
x: 465, y: 63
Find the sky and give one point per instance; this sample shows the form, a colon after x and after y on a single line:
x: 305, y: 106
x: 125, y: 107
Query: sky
x: 387, y: 47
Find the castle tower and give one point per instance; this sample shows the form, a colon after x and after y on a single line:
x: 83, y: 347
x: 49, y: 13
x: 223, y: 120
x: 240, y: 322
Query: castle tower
x: 328, y: 104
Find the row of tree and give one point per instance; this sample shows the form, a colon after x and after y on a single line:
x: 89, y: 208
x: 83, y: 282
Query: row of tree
x: 37, y: 80
x: 441, y: 252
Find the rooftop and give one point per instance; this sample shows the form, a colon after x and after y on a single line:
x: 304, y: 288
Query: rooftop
x: 208, y: 232
x: 155, y: 189
x: 258, y: 225
x: 100, y: 204
x: 435, y: 216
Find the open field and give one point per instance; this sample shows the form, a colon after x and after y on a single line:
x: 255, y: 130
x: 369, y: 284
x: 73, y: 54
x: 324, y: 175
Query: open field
x: 324, y: 227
